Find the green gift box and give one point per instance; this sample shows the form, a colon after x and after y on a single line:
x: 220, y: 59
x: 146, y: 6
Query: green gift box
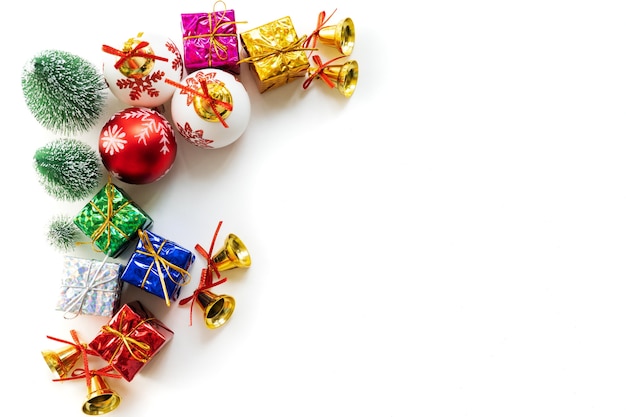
x: 111, y: 220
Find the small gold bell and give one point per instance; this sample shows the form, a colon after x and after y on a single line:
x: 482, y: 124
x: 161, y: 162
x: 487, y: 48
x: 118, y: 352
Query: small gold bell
x: 217, y: 308
x: 343, y: 76
x: 233, y: 254
x: 100, y: 398
x: 341, y: 36
x: 62, y: 361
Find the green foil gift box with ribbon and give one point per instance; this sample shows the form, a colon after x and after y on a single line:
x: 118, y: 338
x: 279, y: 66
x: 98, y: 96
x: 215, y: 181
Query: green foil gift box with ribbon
x: 111, y: 220
x: 275, y: 53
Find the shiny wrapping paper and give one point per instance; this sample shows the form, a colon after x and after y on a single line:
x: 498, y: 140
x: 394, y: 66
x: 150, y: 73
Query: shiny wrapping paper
x: 131, y: 339
x: 89, y: 286
x: 275, y: 54
x: 111, y: 219
x: 210, y: 41
x: 157, y: 263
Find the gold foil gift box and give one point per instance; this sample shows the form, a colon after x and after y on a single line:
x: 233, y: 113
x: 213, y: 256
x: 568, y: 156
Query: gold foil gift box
x: 275, y: 53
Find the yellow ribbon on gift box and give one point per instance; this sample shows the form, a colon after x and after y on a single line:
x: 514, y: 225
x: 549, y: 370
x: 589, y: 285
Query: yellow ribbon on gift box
x: 274, y: 49
x: 107, y: 224
x: 125, y: 340
x: 221, y: 50
x: 161, y: 264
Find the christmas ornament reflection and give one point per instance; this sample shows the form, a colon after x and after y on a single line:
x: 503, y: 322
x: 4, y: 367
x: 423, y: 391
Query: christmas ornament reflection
x: 138, y: 145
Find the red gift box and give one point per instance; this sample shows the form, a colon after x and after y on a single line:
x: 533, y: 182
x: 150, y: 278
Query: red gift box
x: 131, y: 339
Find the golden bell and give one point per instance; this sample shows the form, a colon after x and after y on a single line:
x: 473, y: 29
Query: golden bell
x: 232, y: 255
x: 344, y: 76
x: 341, y: 36
x: 217, y: 308
x: 62, y: 361
x: 100, y: 398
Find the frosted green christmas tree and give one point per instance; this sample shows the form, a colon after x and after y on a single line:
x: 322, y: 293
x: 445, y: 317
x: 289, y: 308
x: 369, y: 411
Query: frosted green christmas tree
x: 64, y: 92
x: 68, y: 169
x: 63, y: 233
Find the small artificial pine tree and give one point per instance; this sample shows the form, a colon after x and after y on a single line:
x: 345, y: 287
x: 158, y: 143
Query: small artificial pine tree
x: 62, y: 233
x: 64, y: 92
x: 68, y: 169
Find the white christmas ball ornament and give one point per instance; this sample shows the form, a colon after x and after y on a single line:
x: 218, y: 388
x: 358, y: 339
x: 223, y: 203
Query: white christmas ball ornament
x: 211, y: 108
x: 136, y: 69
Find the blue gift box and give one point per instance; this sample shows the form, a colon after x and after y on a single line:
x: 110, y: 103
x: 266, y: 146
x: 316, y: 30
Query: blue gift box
x: 158, y: 266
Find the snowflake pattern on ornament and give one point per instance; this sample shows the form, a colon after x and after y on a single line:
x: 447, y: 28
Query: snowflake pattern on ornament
x: 177, y: 63
x: 194, y: 136
x: 138, y: 86
x: 113, y: 137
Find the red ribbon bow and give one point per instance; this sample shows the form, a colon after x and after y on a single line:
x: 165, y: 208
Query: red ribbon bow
x: 85, y: 372
x: 319, y: 72
x: 213, y: 102
x: 322, y: 20
x: 136, y: 51
x: 206, y: 277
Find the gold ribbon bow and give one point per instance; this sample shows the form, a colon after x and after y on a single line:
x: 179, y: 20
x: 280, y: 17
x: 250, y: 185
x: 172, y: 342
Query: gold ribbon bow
x: 107, y: 224
x: 131, y: 344
x: 161, y: 264
x: 295, y: 46
x: 221, y: 50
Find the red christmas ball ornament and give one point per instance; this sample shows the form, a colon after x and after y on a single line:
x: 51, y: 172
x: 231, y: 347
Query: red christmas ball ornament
x: 137, y: 145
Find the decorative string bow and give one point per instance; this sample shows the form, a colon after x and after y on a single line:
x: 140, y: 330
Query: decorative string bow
x: 319, y: 72
x: 140, y: 351
x: 137, y: 51
x: 221, y: 50
x: 206, y: 277
x: 92, y: 283
x: 271, y: 50
x: 161, y: 264
x: 107, y: 224
x: 213, y: 102
x: 85, y: 371
x: 322, y: 20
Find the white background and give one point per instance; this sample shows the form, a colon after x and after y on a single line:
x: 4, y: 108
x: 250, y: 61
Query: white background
x: 449, y: 241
